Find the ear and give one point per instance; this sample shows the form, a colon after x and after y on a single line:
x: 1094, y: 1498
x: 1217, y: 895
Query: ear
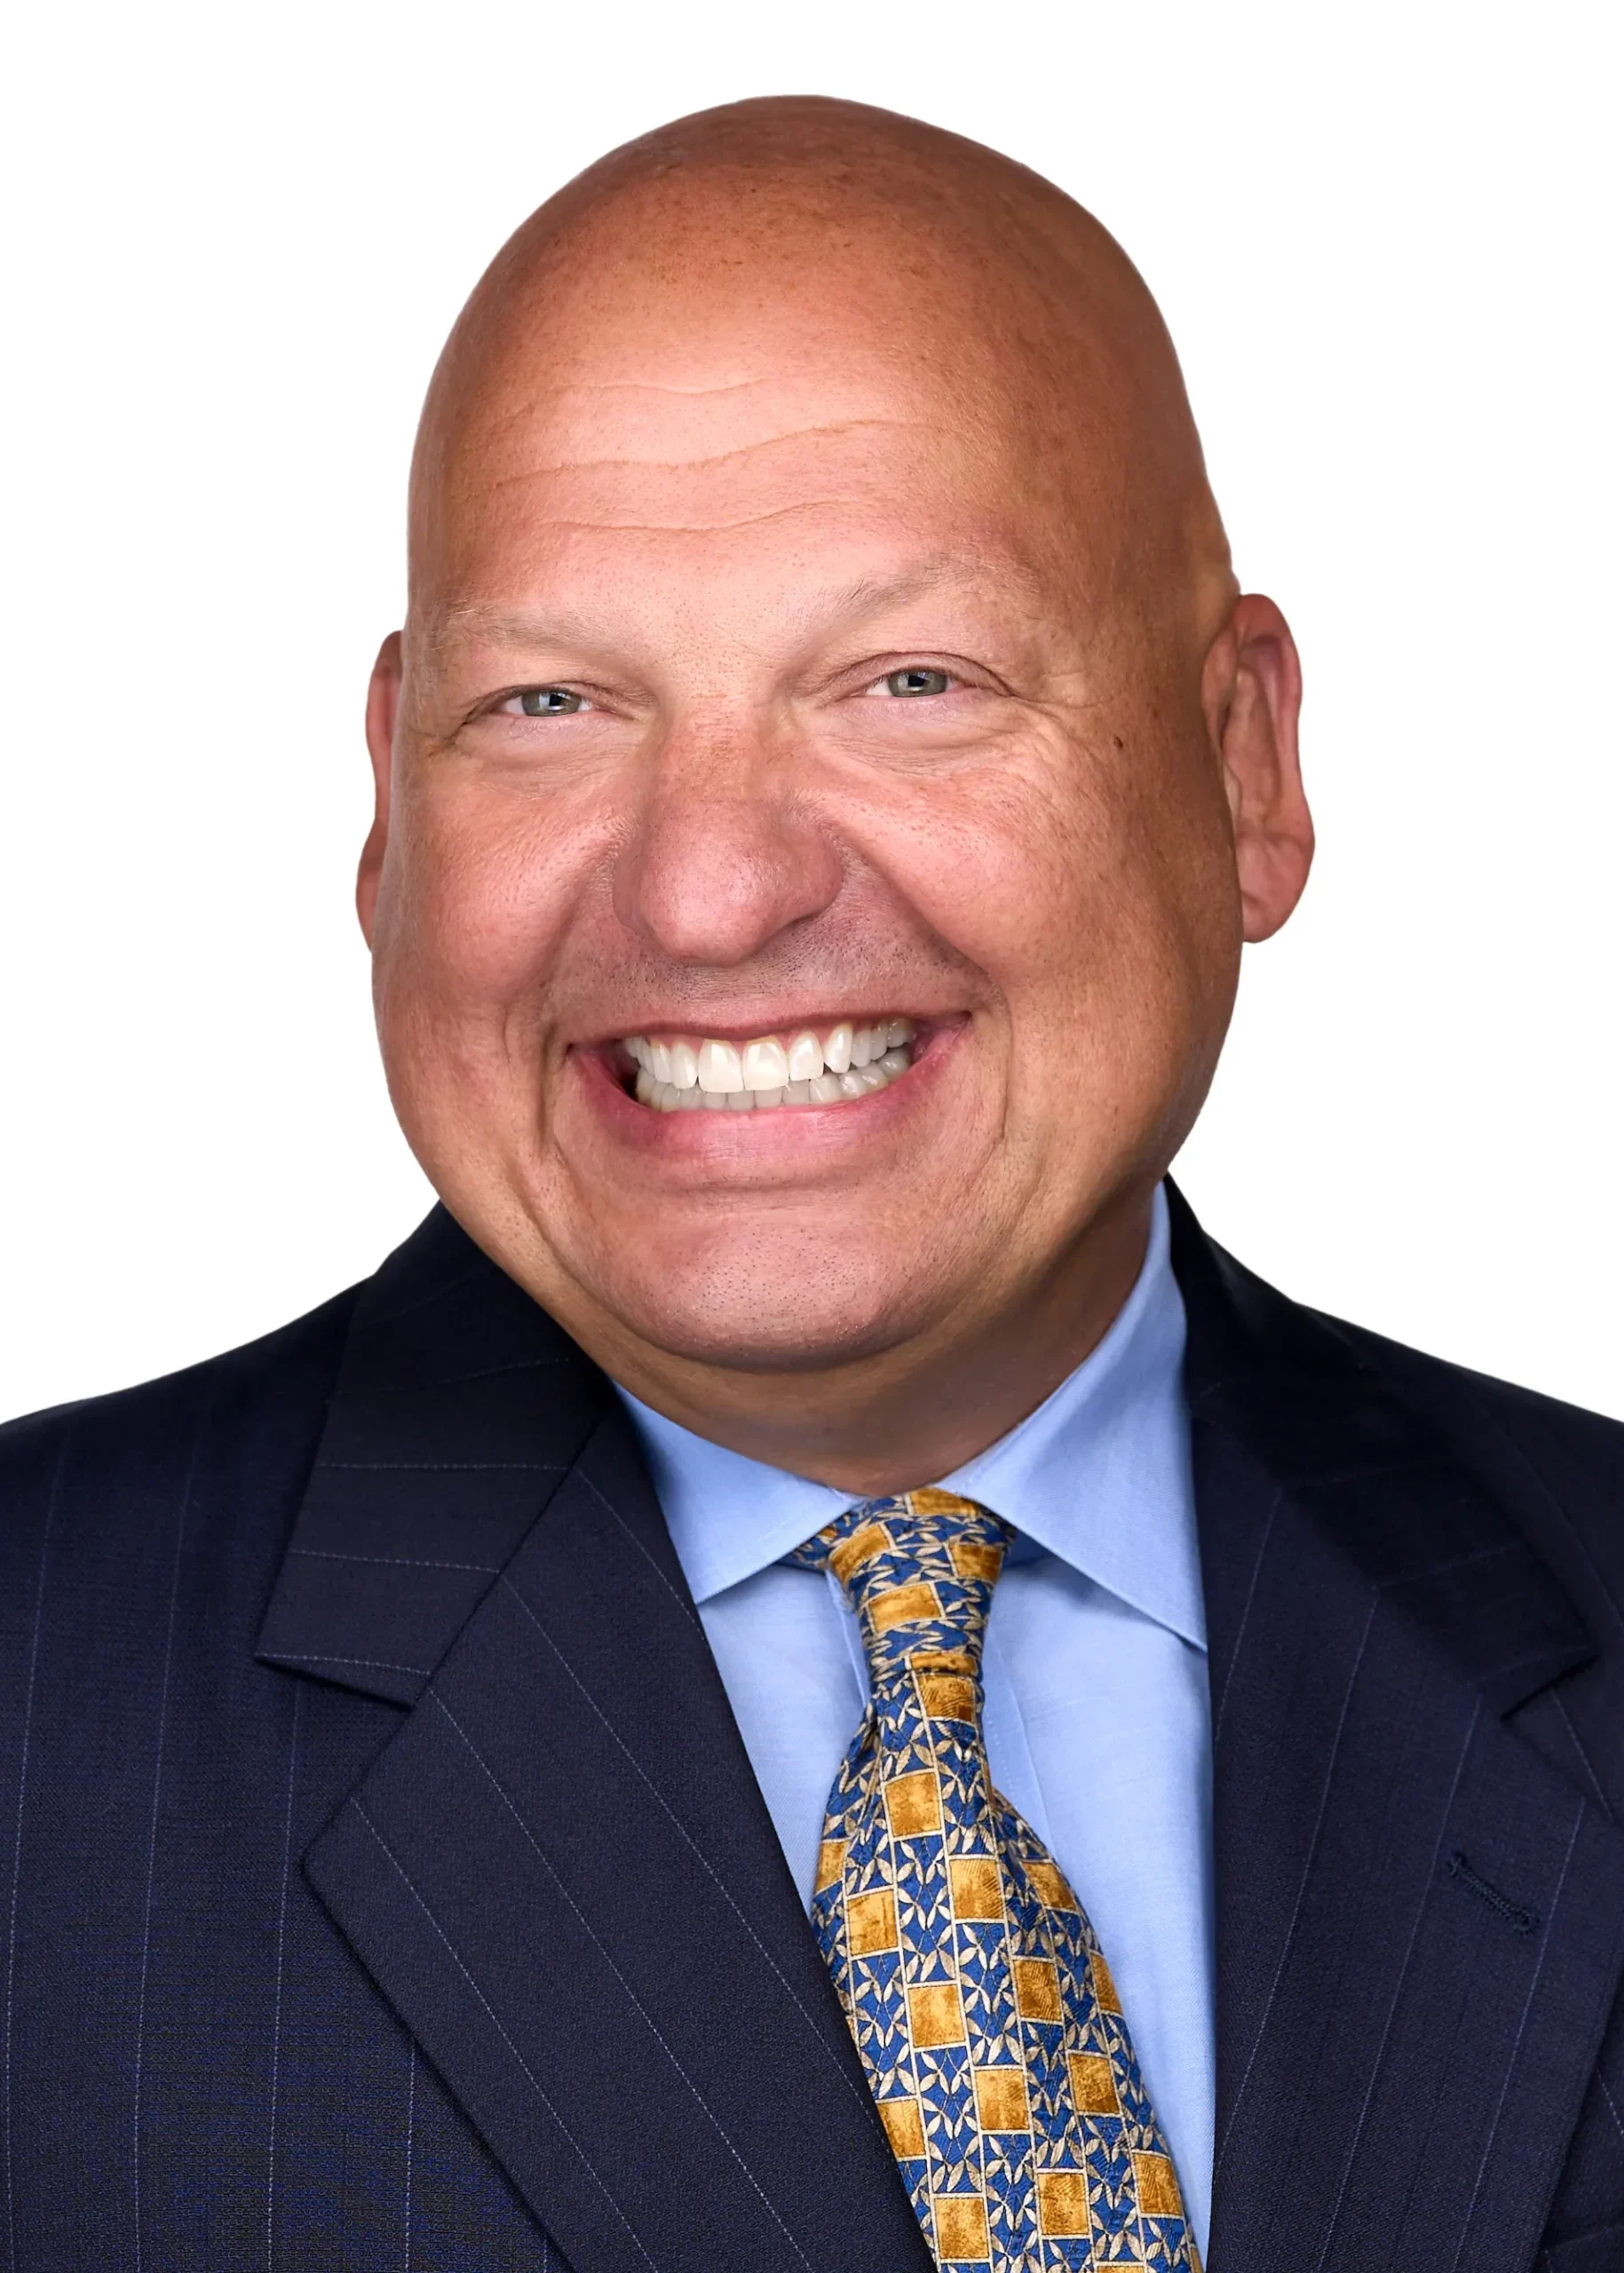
x: 382, y: 707
x: 1252, y: 691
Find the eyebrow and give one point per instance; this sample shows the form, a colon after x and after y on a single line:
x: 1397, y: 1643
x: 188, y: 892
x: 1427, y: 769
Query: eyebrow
x: 827, y: 609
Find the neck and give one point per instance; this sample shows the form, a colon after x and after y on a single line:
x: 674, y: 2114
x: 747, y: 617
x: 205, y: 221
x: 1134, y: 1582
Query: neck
x: 895, y: 1420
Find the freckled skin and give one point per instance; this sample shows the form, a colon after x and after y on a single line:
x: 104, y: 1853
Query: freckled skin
x: 757, y: 411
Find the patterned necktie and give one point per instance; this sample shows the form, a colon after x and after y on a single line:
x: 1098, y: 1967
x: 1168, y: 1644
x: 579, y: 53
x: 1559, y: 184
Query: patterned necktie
x: 983, y: 2010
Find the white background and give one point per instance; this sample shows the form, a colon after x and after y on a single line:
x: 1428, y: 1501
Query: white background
x: 1386, y: 237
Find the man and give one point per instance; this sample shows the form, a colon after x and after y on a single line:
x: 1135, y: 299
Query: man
x: 809, y: 1676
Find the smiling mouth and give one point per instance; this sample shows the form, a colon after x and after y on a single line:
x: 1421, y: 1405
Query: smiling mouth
x: 688, y: 1073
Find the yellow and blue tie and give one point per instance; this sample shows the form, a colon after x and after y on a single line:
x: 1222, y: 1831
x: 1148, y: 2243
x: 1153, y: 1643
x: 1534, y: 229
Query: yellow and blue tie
x: 982, y: 2009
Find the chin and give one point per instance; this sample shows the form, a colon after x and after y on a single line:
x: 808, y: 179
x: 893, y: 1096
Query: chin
x: 753, y: 1318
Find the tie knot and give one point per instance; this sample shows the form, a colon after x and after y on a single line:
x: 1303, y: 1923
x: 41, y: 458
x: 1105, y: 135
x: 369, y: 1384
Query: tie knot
x: 919, y: 1571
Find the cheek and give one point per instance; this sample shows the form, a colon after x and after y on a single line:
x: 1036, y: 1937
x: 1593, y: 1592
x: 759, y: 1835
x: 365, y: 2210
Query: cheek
x: 1097, y: 899
x: 1024, y: 868
x: 478, y: 890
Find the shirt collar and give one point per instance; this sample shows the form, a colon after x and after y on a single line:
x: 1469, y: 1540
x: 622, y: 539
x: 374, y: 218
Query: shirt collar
x: 1098, y: 1475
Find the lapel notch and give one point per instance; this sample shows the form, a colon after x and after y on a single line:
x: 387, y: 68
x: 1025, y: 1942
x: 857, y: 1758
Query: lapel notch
x: 458, y: 1409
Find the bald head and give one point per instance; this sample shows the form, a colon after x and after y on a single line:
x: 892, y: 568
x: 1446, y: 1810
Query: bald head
x: 823, y: 685
x: 789, y: 246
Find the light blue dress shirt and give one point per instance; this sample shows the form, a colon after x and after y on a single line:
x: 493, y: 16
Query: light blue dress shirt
x: 1097, y: 1720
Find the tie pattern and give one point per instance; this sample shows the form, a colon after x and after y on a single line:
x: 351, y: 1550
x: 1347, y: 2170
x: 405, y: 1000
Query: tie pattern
x: 982, y: 2009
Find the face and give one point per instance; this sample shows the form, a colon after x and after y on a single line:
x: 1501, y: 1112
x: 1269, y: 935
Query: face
x: 805, y: 901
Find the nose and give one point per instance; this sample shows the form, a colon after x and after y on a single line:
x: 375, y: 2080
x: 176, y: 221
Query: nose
x: 727, y: 852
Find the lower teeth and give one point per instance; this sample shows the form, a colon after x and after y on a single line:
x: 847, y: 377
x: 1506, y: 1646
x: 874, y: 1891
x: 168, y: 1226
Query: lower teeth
x: 828, y: 1088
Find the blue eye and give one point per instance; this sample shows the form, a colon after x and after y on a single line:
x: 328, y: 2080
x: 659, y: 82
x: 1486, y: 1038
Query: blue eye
x: 550, y: 703
x: 915, y: 678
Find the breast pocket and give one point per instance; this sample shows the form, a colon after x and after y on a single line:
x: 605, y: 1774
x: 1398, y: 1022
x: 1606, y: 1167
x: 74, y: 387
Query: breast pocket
x: 1600, y: 2252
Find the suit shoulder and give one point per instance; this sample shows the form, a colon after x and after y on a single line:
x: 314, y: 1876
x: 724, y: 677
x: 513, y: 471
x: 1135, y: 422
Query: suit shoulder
x: 1559, y: 1468
x: 1230, y: 1310
x: 1526, y: 1412
x: 137, y: 1437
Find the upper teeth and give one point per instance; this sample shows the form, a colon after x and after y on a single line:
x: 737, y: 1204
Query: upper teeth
x: 848, y: 1061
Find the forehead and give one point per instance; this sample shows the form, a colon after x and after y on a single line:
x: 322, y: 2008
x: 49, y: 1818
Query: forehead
x: 750, y: 442
x: 746, y: 401
x: 737, y: 518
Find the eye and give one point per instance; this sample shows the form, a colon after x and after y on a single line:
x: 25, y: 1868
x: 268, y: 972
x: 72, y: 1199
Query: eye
x: 915, y: 678
x: 545, y: 702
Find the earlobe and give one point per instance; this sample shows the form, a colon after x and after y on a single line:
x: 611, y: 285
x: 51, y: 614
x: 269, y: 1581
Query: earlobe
x: 1253, y: 691
x: 382, y: 708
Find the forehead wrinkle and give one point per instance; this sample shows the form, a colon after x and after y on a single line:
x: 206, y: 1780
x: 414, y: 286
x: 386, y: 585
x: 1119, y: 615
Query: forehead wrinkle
x: 647, y: 386
x: 577, y: 526
x: 865, y: 593
x: 445, y: 625
x: 538, y: 405
x: 717, y: 459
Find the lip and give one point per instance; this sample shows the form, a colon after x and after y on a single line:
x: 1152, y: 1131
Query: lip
x: 809, y: 1133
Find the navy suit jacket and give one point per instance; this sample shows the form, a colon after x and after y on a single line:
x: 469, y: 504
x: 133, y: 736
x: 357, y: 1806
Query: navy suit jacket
x: 386, y: 1884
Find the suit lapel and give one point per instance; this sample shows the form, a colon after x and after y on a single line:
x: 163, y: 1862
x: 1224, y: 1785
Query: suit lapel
x: 459, y: 1409
x: 560, y: 1872
x: 1418, y: 1920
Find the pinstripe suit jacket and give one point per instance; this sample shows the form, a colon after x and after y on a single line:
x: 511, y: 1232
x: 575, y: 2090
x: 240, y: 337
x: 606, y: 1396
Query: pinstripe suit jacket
x: 386, y: 1884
